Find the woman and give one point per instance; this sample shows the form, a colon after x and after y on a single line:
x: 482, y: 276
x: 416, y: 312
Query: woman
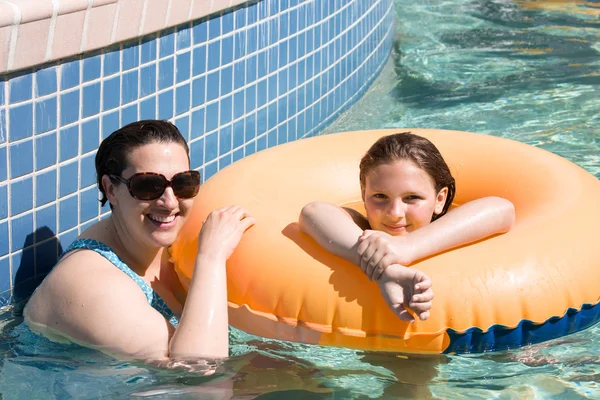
x: 115, y: 288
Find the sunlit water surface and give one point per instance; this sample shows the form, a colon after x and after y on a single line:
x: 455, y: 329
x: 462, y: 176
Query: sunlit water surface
x: 518, y: 69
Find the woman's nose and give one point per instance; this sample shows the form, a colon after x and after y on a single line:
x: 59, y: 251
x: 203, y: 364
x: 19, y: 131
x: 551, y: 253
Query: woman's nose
x: 168, y: 199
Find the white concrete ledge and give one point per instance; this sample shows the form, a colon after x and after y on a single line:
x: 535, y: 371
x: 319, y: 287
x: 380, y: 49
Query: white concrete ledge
x: 34, y: 32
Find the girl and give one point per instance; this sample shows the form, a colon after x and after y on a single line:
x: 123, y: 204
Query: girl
x: 406, y: 187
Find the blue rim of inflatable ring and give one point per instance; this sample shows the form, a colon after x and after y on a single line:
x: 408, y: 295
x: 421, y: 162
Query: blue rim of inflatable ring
x: 500, y: 337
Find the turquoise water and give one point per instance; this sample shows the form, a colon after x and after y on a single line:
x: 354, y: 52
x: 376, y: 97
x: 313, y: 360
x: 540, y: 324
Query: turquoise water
x: 493, y: 67
x: 497, y: 67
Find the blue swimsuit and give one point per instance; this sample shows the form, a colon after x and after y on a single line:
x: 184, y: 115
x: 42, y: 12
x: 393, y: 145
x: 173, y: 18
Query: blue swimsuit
x: 153, y: 298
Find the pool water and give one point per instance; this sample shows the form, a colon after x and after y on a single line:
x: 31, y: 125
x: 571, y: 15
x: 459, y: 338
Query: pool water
x: 526, y: 70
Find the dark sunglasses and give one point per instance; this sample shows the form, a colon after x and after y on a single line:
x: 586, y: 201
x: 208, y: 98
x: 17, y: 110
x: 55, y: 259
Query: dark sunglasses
x: 150, y: 185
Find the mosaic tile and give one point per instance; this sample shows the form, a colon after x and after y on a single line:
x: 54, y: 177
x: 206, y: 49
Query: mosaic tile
x: 238, y: 82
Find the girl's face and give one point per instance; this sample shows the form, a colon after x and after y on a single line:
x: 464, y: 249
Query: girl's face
x: 400, y: 197
x: 155, y: 222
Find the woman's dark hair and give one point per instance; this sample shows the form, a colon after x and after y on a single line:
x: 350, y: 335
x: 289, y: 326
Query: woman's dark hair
x: 111, y: 158
x: 407, y: 146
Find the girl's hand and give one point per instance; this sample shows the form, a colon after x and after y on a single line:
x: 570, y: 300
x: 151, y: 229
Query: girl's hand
x: 406, y: 291
x: 222, y: 231
x: 377, y: 250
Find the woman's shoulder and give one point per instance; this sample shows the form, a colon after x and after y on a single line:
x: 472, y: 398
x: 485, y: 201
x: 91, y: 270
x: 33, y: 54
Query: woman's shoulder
x: 82, y: 278
x: 86, y: 261
x: 94, y: 248
x: 88, y: 267
x: 86, y: 299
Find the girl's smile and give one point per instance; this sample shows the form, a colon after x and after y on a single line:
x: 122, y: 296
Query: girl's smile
x: 400, y: 197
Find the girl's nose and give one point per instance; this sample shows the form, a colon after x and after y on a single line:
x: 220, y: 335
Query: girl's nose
x: 396, y: 209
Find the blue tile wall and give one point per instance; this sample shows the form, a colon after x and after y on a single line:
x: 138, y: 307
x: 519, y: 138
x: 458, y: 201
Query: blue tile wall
x: 3, y: 202
x: 4, y: 275
x: 45, y: 187
x: 238, y: 82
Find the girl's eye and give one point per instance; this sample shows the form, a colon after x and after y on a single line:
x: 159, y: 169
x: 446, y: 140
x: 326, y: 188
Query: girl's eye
x: 380, y: 196
x: 412, y: 198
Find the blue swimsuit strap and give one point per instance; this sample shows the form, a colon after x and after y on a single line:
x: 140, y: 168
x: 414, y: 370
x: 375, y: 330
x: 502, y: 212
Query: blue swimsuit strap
x: 153, y: 298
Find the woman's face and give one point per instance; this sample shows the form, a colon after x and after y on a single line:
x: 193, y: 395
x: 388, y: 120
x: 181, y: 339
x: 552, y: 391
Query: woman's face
x: 157, y: 222
x: 400, y: 197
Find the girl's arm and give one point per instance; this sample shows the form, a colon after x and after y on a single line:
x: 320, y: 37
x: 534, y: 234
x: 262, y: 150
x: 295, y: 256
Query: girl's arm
x: 468, y: 223
x: 333, y: 228
x: 339, y: 233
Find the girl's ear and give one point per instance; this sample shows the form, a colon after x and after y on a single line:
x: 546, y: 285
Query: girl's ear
x: 109, y: 190
x: 440, y: 200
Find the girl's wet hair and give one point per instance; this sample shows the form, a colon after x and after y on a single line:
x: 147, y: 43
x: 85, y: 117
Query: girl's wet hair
x: 111, y: 158
x: 423, y: 153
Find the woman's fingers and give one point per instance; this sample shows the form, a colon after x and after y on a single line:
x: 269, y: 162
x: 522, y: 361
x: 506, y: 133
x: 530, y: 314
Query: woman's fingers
x: 247, y: 222
x: 237, y: 211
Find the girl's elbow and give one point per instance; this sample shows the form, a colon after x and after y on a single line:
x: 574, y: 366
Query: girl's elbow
x: 507, y: 211
x: 308, y: 214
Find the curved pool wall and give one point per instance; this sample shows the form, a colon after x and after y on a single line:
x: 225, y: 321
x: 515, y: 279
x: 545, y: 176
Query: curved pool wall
x: 236, y: 82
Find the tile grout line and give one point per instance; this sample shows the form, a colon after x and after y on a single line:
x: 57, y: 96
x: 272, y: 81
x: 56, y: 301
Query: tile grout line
x: 217, y: 100
x: 334, y: 41
x: 51, y: 30
x: 86, y: 24
x: 326, y: 95
x: 360, y: 90
x: 306, y: 82
x: 14, y: 32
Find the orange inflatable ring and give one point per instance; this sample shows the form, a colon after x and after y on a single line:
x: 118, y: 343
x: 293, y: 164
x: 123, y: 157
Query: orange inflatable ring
x: 537, y: 282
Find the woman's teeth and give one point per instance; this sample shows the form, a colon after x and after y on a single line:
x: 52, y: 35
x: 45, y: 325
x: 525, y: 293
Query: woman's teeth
x: 160, y: 219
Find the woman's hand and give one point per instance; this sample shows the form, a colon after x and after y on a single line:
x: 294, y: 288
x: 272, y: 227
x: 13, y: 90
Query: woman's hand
x: 222, y: 231
x: 377, y: 250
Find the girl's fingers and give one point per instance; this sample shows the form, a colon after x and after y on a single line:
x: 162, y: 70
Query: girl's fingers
x: 420, y: 307
x: 423, y: 284
x: 423, y: 297
x: 381, y: 266
x: 365, y: 259
x: 405, y: 314
x: 362, y: 247
x: 364, y: 265
x: 424, y: 315
x: 374, y: 265
x: 366, y: 234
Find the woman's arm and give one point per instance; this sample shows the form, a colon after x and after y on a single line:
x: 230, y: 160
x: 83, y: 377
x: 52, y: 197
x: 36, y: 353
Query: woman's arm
x: 88, y: 301
x: 203, y: 328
